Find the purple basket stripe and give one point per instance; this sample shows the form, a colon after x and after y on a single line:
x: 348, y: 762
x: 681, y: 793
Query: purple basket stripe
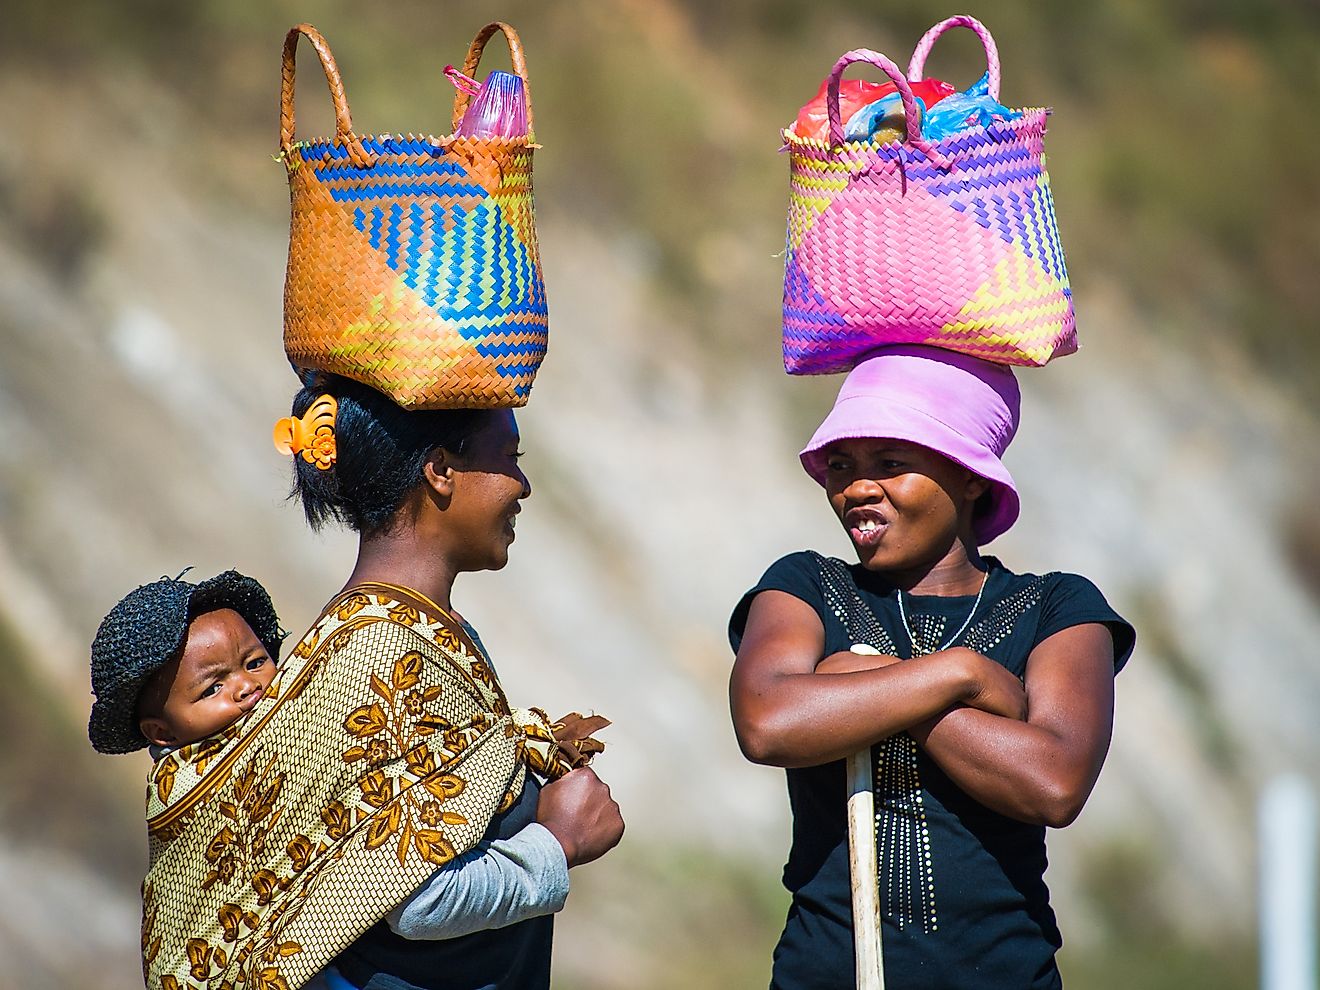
x: 1029, y: 228
x: 1046, y: 235
x: 1056, y: 249
x: 1025, y: 174
x: 1019, y: 215
x: 801, y: 300
x: 1010, y: 163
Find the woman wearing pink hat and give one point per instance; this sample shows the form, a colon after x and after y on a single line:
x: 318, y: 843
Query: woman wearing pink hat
x: 985, y: 696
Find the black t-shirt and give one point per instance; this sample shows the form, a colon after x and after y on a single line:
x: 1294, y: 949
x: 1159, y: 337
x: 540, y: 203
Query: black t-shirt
x: 962, y: 892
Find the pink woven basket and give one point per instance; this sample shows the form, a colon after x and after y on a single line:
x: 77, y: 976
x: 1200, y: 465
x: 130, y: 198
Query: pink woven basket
x: 951, y: 243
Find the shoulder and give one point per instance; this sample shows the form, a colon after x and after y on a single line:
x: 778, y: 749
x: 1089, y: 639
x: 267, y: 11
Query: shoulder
x: 799, y: 574
x: 1068, y: 599
x: 801, y: 571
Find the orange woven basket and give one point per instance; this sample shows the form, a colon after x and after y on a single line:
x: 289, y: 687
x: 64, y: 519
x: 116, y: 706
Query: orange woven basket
x: 413, y: 262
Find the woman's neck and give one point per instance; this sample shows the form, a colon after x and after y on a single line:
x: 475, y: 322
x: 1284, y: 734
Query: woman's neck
x: 398, y: 558
x: 961, y: 571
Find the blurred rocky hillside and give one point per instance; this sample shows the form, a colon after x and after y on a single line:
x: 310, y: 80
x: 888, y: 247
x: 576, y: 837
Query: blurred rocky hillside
x: 1174, y: 460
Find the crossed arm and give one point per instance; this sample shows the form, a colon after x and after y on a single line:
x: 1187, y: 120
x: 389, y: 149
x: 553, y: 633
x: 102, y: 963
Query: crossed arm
x: 1031, y: 752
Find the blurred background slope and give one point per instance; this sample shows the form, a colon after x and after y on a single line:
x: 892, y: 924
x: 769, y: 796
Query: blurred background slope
x: 1174, y: 460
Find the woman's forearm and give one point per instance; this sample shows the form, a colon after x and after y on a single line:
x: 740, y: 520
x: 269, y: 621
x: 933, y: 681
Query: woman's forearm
x: 1015, y: 768
x: 795, y: 720
x: 787, y: 715
x: 1041, y: 770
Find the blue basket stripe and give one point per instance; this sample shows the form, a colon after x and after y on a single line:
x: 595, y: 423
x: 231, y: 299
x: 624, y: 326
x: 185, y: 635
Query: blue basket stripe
x: 531, y: 349
x: 476, y: 262
x: 431, y: 281
x: 500, y: 272
x: 477, y: 275
x: 392, y: 242
x: 395, y: 190
x: 480, y: 316
x: 347, y: 173
x: 373, y: 233
x: 517, y: 370
x: 454, y: 252
x: 326, y: 149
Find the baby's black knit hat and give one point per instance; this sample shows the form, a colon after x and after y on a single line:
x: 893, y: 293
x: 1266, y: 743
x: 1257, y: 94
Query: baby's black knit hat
x: 146, y: 630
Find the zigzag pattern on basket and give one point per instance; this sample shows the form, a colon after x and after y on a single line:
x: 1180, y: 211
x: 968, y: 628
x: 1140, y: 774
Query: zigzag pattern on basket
x: 886, y: 247
x: 413, y: 260
x: 468, y: 265
x: 449, y: 245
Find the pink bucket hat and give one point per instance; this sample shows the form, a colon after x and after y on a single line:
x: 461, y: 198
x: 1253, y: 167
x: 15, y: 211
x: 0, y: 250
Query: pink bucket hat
x: 956, y: 405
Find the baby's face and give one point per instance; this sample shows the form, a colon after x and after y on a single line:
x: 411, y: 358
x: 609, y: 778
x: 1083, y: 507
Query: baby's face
x: 220, y: 675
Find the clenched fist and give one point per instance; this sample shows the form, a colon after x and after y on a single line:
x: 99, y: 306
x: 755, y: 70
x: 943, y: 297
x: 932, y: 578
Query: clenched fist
x: 579, y: 812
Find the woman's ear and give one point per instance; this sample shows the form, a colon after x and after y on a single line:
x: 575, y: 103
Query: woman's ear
x: 157, y: 731
x: 439, y: 472
x: 976, y: 487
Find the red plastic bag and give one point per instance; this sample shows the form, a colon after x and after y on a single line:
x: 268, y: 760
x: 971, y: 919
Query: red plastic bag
x: 813, y: 120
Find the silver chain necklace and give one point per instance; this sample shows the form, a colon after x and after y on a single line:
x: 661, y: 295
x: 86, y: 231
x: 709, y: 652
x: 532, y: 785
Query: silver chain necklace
x: 907, y: 628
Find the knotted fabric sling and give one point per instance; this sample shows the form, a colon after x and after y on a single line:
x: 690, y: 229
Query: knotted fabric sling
x: 381, y: 751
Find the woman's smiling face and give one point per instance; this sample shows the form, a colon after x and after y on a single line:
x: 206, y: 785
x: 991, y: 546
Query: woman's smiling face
x: 488, y: 489
x: 903, y: 505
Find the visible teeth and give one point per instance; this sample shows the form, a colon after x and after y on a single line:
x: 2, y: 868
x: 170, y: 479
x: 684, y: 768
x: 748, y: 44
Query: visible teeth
x: 867, y: 525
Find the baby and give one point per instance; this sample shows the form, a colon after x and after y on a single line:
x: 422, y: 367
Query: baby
x: 175, y: 662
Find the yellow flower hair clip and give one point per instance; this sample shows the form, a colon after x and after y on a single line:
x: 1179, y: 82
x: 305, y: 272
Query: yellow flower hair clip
x: 312, y: 434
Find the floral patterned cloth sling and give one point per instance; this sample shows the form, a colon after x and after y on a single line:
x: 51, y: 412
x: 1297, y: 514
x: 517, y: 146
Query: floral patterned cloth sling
x: 381, y: 751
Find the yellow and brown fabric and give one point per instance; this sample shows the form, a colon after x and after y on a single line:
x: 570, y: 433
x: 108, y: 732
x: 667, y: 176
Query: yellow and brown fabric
x: 380, y: 752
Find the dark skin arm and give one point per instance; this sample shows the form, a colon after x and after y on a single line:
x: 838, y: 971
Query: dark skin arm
x: 1040, y: 771
x: 787, y: 716
x: 577, y: 810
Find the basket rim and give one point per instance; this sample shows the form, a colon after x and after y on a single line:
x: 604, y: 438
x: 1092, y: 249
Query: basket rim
x: 820, y: 148
x: 443, y: 142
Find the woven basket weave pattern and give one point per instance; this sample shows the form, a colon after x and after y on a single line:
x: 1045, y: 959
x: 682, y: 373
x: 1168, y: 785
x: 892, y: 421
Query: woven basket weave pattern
x: 413, y: 262
x: 957, y: 248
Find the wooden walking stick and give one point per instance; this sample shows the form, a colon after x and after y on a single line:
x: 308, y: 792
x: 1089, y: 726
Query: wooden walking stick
x: 863, y: 869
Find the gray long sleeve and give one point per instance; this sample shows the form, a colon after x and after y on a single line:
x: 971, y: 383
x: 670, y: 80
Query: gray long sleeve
x: 494, y: 885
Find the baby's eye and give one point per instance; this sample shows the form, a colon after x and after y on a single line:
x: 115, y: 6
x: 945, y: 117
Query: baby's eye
x: 256, y: 663
x: 211, y: 689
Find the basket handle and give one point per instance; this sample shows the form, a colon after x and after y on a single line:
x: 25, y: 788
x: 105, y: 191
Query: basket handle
x: 911, y: 111
x: 918, y: 64
x: 516, y: 56
x: 343, y: 121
